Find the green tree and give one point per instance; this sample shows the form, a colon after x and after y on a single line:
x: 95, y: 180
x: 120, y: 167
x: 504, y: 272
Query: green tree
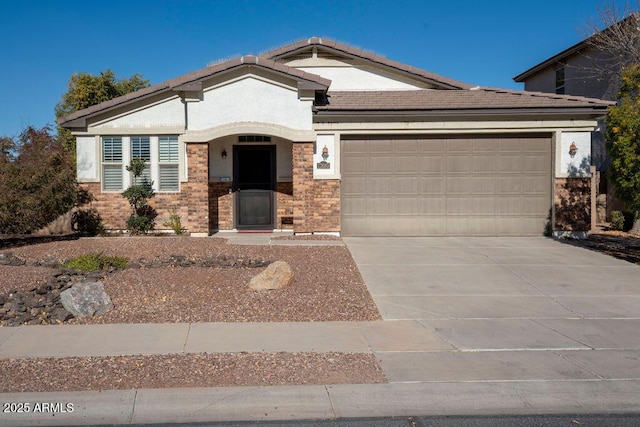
x: 142, y: 219
x: 85, y: 90
x: 623, y: 142
x: 37, y: 182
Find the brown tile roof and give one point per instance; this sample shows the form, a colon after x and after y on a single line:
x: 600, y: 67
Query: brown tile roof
x: 455, y: 100
x: 345, y: 49
x: 194, y: 77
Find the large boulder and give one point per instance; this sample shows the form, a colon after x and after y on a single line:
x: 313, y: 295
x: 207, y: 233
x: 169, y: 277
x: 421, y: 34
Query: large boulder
x: 86, y: 299
x: 277, y: 275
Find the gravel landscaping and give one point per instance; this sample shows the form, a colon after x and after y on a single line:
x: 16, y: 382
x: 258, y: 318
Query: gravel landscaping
x: 177, y: 279
x: 174, y: 279
x: 187, y: 370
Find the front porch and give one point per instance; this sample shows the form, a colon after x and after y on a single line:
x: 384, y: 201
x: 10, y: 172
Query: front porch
x: 291, y: 198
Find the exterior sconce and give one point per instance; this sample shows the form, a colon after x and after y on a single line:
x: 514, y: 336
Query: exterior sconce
x: 224, y: 154
x: 573, y: 150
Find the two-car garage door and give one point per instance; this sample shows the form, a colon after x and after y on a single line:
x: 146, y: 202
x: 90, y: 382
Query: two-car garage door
x: 428, y: 186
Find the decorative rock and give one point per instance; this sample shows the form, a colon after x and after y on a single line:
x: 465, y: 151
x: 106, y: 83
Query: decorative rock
x: 86, y: 299
x: 7, y: 258
x: 277, y: 275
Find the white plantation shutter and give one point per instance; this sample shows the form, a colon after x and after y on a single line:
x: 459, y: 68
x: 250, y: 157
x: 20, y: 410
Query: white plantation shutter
x: 168, y: 163
x: 141, y: 148
x: 112, y: 163
x: 112, y: 177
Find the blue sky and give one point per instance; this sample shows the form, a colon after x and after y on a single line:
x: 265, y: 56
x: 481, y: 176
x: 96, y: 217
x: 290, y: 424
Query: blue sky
x: 486, y: 43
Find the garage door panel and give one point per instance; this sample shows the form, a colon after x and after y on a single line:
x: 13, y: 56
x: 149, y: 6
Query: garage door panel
x: 459, y: 145
x: 458, y: 164
x: 406, y: 165
x: 356, y: 206
x: 433, y: 146
x: 509, y: 164
x: 535, y: 163
x: 433, y: 206
x: 355, y: 186
x: 432, y: 164
x: 407, y: 146
x: 492, y: 185
x: 381, y: 185
x: 407, y: 185
x: 484, y: 145
x: 433, y: 185
x: 381, y: 165
x: 509, y: 184
x: 484, y: 164
x: 405, y: 206
x: 535, y: 185
x: 355, y: 165
x: 377, y: 146
x: 379, y: 206
x: 355, y: 147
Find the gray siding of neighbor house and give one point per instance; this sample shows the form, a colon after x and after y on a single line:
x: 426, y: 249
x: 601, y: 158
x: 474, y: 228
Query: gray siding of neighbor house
x: 581, y: 77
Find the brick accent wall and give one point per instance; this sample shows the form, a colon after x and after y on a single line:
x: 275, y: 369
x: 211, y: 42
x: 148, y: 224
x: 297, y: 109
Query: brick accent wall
x: 192, y: 202
x: 316, y: 203
x: 284, y: 204
x: 220, y: 206
x: 573, y: 204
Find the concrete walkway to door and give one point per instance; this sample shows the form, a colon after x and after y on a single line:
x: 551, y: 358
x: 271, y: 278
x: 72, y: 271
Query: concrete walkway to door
x: 511, y: 308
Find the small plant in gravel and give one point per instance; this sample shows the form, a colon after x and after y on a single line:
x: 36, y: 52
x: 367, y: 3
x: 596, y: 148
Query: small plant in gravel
x: 95, y: 262
x: 142, y: 219
x: 174, y: 222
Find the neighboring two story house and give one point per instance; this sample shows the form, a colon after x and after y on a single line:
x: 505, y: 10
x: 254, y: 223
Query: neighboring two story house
x: 319, y: 136
x: 585, y: 69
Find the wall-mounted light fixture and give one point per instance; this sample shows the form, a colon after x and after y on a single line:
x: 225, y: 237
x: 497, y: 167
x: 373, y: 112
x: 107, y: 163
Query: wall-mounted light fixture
x: 573, y: 150
x: 224, y: 154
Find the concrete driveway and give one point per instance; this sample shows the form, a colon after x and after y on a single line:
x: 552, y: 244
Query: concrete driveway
x: 511, y: 308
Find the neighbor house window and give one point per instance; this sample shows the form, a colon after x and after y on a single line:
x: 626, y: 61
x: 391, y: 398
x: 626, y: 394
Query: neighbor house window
x: 141, y: 148
x: 168, y: 163
x: 560, y: 78
x: 112, y: 163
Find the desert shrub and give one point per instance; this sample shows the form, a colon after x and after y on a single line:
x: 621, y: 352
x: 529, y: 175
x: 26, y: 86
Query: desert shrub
x: 617, y: 220
x: 87, y: 222
x: 95, y: 262
x: 174, y: 222
x: 38, y: 181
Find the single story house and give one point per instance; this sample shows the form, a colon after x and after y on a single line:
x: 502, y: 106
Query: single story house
x: 319, y: 136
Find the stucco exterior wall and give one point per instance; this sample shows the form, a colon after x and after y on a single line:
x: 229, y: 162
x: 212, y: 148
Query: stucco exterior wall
x: 250, y: 100
x: 361, y: 78
x: 169, y: 113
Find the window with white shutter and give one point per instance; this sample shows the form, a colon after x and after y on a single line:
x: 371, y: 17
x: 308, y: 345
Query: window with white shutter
x: 112, y: 163
x: 168, y: 163
x: 141, y: 148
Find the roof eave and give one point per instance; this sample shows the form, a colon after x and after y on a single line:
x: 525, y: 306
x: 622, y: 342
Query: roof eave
x: 592, y: 112
x: 304, y: 81
x: 551, y: 61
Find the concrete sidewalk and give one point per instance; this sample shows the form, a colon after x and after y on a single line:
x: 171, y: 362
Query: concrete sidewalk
x: 472, y: 326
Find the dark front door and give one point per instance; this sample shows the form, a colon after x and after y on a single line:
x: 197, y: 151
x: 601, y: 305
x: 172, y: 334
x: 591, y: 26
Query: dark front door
x: 254, y: 175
